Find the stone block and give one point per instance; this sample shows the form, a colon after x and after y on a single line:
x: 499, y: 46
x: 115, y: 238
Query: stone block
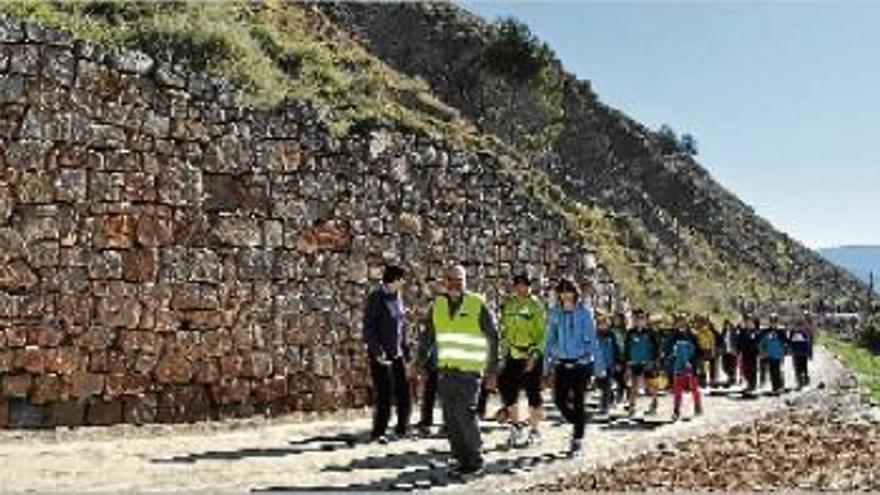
x: 174, y: 368
x: 140, y: 265
x: 118, y: 311
x: 104, y: 413
x: 67, y: 413
x: 84, y: 384
x: 47, y: 389
x: 106, y: 265
x: 23, y: 414
x: 17, y: 385
x: 140, y: 410
x: 154, y: 231
x: 239, y: 232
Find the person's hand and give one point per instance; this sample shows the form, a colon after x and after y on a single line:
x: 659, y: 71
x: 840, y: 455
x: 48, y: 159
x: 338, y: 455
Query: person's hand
x: 490, y: 380
x: 530, y: 365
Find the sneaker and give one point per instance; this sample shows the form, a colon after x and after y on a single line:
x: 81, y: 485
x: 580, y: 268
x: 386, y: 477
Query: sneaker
x: 380, y: 439
x: 576, y: 449
x: 534, y: 437
x: 515, y: 435
x: 465, y: 473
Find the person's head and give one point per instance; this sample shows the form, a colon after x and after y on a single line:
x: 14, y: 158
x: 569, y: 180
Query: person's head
x: 456, y: 281
x: 640, y: 318
x: 620, y: 320
x: 756, y: 323
x: 681, y: 322
x: 602, y: 322
x: 568, y: 292
x: 727, y: 325
x: 393, y: 278
x: 521, y: 285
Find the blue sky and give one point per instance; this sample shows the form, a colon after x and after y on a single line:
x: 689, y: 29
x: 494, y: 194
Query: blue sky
x: 783, y: 97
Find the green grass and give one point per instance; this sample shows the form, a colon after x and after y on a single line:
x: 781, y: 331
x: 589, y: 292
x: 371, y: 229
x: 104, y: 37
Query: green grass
x: 865, y: 365
x: 272, y: 50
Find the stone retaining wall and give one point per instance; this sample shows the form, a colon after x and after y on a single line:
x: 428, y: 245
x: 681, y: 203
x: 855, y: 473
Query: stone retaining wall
x: 169, y: 255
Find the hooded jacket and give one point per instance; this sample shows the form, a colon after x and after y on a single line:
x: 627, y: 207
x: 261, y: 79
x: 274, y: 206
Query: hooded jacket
x: 571, y: 336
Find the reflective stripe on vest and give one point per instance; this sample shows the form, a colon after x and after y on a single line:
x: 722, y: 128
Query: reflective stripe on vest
x: 460, y: 341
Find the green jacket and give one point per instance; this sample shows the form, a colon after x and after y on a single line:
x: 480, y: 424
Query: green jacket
x: 523, y: 323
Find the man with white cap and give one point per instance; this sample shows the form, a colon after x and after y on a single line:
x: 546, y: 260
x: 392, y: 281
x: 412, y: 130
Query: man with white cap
x: 464, y: 331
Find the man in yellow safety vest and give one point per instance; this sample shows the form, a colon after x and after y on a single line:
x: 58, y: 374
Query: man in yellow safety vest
x: 466, y: 338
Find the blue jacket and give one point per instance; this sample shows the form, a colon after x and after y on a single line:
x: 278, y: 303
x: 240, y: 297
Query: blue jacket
x: 571, y: 336
x: 682, y: 352
x: 773, y: 344
x: 642, y: 346
x: 610, y: 351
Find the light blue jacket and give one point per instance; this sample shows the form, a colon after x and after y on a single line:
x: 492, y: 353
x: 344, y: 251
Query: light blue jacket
x: 572, y: 336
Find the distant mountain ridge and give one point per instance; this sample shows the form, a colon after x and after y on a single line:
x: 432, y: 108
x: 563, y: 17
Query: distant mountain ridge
x: 860, y: 260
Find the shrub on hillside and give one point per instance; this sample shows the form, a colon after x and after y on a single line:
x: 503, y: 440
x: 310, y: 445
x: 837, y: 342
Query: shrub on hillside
x: 870, y: 335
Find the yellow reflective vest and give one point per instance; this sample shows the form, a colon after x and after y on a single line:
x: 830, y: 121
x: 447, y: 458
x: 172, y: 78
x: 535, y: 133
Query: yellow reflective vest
x: 461, y: 344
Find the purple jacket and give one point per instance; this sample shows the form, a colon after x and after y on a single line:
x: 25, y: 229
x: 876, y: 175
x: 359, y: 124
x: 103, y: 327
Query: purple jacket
x: 385, y: 325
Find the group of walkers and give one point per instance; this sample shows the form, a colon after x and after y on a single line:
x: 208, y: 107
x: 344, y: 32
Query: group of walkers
x: 464, y: 355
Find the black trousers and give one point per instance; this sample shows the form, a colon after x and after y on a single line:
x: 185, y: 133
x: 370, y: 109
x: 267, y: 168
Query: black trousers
x: 729, y: 364
x: 388, y: 379
x: 774, y: 366
x: 802, y: 370
x: 607, y: 393
x: 429, y: 398
x: 620, y: 380
x: 750, y: 370
x: 569, y: 387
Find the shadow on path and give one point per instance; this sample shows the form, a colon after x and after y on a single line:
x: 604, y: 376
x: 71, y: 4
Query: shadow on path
x: 320, y: 443
x: 434, y: 475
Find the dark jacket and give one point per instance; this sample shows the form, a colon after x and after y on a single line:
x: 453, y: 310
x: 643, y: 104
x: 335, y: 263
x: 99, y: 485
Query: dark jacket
x: 727, y: 343
x: 801, y: 342
x: 385, y: 326
x: 748, y: 340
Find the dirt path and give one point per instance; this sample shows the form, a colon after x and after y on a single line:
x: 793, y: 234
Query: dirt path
x: 283, y: 454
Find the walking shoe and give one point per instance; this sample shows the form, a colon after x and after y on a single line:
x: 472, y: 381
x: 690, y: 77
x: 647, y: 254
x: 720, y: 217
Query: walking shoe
x: 653, y: 409
x: 675, y: 416
x: 576, y: 449
x: 424, y: 430
x: 534, y: 437
x: 465, y: 474
x: 515, y: 435
x: 380, y: 439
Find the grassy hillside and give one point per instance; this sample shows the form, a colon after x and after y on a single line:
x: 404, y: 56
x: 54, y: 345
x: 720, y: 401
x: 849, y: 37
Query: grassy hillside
x: 273, y: 51
x: 279, y: 50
